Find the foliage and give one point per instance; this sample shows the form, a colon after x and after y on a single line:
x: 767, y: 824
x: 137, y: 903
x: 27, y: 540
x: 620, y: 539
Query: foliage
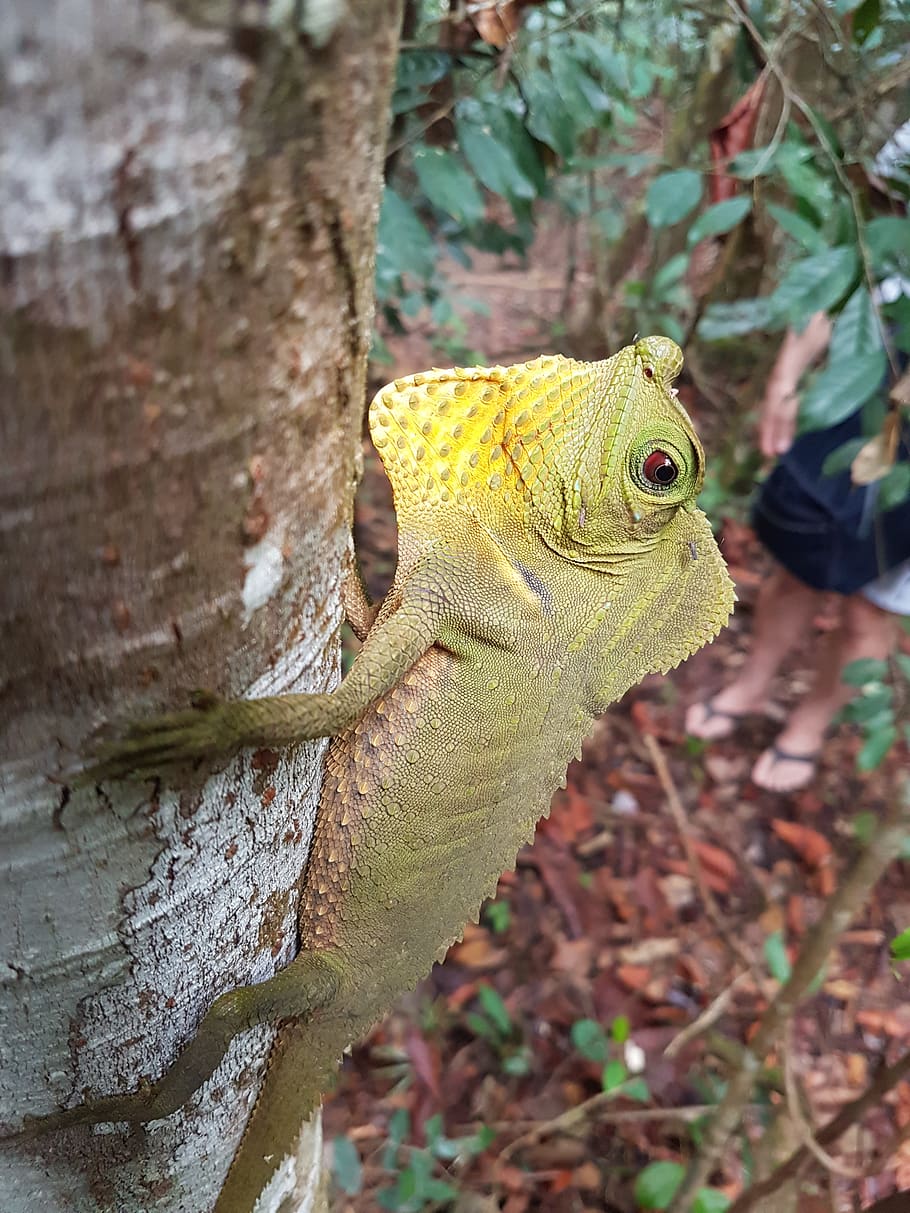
x: 883, y: 689
x: 556, y: 119
x: 657, y: 1184
x: 420, y: 1176
x: 616, y: 1053
x: 494, y: 1024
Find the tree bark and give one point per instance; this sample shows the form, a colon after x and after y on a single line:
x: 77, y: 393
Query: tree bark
x: 188, y: 199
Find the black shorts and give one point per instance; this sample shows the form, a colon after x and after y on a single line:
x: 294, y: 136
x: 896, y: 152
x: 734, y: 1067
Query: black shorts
x: 825, y: 530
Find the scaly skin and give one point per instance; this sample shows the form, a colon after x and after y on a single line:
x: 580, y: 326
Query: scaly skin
x: 541, y: 573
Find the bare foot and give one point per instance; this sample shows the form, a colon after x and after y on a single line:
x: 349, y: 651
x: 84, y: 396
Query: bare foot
x: 780, y: 770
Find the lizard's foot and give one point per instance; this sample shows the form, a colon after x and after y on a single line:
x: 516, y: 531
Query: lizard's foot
x: 171, y: 739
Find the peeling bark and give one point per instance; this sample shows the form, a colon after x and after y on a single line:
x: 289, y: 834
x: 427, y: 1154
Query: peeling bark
x: 188, y: 198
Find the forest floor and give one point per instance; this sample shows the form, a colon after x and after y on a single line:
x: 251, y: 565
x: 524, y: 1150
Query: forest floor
x: 548, y: 1041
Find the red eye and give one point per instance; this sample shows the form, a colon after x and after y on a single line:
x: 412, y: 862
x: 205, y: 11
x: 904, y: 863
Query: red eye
x: 648, y: 372
x: 659, y: 469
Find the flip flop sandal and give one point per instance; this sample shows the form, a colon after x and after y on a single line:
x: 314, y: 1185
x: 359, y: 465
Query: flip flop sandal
x: 713, y: 713
x: 781, y: 755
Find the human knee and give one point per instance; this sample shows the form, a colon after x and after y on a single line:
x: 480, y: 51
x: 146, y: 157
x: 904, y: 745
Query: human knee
x: 869, y: 630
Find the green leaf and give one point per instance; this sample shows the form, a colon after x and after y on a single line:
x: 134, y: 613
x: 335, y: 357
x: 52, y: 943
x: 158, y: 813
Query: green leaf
x: 815, y: 284
x: 856, y: 329
x: 894, y: 487
x: 403, y: 244
x: 492, y: 158
x: 754, y: 162
x: 863, y: 670
x: 671, y: 196
x: 346, y: 1166
x: 656, y: 1185
x: 888, y: 238
x: 495, y: 1008
x: 549, y: 118
x: 872, y: 709
x: 864, y: 826
x: 842, y: 458
x: 620, y: 1029
x: 776, y: 956
x: 588, y: 1038
x: 900, y: 946
x: 840, y: 389
x: 498, y: 914
x: 637, y: 1089
x: 710, y: 1200
x: 719, y: 218
x: 866, y: 19
x: 448, y: 185
x: 610, y: 64
x: 669, y: 274
x: 794, y: 160
x: 903, y: 664
x: 802, y: 231
x: 876, y: 747
x: 614, y: 1075
x: 583, y: 97
x: 722, y: 320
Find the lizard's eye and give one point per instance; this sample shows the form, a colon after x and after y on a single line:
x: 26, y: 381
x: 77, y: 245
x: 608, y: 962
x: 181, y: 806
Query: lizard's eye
x: 659, y: 470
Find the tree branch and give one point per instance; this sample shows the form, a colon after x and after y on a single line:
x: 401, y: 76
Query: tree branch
x: 840, y: 910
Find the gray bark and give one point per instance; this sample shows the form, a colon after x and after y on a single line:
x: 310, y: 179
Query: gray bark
x: 188, y: 198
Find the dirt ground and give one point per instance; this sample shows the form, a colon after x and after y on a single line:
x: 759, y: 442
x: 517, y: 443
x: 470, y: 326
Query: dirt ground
x: 603, y: 920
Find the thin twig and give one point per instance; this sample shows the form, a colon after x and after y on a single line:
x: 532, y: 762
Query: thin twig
x: 707, y: 1018
x: 795, y: 1109
x: 595, y: 1108
x: 850, y: 1114
x: 839, y: 911
x: 678, y: 813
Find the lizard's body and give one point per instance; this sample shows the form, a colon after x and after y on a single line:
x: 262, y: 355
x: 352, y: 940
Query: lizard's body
x: 534, y: 585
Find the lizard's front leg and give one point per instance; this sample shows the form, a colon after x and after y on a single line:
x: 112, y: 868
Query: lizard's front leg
x: 309, y: 983
x: 216, y: 728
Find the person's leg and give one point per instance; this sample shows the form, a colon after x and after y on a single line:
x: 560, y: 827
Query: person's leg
x: 783, y: 612
x: 865, y: 631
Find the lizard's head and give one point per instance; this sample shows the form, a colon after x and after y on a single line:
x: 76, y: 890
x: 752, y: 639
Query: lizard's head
x: 626, y: 460
x: 599, y: 460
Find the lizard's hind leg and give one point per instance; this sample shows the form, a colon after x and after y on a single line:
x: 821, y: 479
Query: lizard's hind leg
x: 308, y: 984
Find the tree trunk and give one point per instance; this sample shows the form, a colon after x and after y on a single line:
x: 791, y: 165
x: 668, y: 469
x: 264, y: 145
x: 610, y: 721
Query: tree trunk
x: 188, y: 198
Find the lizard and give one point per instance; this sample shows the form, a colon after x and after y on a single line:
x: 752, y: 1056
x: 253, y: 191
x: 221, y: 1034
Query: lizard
x: 550, y: 555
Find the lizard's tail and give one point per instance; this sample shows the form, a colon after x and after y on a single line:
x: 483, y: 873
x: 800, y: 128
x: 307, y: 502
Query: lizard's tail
x: 301, y: 1066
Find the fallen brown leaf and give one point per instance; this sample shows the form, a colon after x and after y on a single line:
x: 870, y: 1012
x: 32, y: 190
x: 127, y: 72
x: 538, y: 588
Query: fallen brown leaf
x: 813, y: 848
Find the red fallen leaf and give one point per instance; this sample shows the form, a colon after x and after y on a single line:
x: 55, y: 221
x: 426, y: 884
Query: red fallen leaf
x: 716, y: 861
x: 573, y: 956
x: 813, y: 848
x: 887, y: 1023
x: 796, y: 915
x: 513, y: 1179
x: 717, y: 884
x: 633, y: 977
x: 497, y: 24
x: 559, y: 873
x: 642, y: 718
x: 461, y: 995
x: 572, y: 816
x: 560, y: 1180
x: 424, y: 1060
x: 476, y: 950
x: 732, y: 135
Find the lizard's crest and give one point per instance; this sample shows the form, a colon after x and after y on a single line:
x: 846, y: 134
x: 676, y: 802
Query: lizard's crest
x: 590, y: 455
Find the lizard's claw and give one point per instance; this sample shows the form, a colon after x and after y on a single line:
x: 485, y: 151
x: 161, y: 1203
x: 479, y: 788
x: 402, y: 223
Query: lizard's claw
x: 172, y: 739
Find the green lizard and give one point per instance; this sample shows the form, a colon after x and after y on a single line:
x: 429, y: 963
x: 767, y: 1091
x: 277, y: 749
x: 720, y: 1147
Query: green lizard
x: 550, y: 555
